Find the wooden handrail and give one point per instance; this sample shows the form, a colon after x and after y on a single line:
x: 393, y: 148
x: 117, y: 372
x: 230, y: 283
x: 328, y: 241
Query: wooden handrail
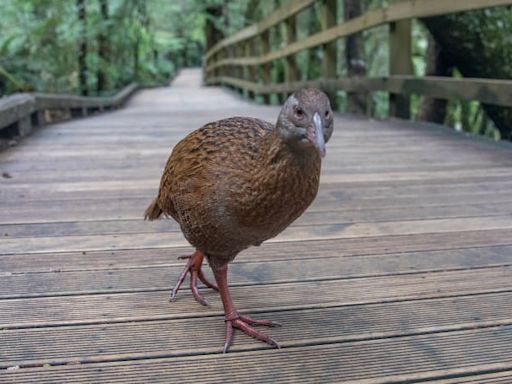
x: 408, y: 9
x: 223, y: 60
x: 20, y: 112
x: 282, y: 13
x: 490, y: 91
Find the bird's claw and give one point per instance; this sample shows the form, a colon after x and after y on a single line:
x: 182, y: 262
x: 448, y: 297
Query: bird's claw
x: 193, y: 267
x: 244, y: 323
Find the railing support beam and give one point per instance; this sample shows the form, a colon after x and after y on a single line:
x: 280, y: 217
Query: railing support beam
x: 291, y: 73
x: 329, y: 19
x: 267, y: 67
x: 400, y: 63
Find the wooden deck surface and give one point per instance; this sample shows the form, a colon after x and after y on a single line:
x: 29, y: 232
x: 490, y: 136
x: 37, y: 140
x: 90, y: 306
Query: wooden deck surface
x: 401, y: 271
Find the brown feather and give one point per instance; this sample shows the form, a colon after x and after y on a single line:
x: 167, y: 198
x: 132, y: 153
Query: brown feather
x: 235, y: 183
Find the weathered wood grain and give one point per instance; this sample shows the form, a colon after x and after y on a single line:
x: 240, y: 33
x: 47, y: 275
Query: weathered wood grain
x: 253, y: 271
x: 90, y: 343
x: 146, y: 305
x: 292, y: 251
x: 393, y: 360
x: 295, y: 233
x: 400, y: 272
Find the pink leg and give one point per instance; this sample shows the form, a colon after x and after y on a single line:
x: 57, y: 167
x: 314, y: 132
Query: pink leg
x: 193, y: 267
x: 234, y: 319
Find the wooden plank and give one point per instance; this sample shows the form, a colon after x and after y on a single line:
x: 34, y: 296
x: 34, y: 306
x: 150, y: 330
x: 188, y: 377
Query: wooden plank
x: 131, y: 341
x: 395, y: 360
x: 347, y: 206
x: 252, y: 271
x: 165, y: 257
x: 138, y: 306
x: 339, y: 214
x: 352, y: 164
x: 418, y: 272
x: 298, y: 233
x: 330, y: 175
x: 499, y: 377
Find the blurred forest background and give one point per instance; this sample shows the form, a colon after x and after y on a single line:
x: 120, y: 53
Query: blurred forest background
x: 94, y: 47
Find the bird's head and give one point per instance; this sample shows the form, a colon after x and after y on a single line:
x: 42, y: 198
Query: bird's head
x: 305, y: 121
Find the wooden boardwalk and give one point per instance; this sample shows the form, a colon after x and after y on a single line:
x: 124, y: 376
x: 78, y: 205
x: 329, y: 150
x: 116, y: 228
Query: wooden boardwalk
x: 401, y: 271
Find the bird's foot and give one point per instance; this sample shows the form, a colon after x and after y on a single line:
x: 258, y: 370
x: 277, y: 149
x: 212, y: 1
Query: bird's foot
x: 244, y: 324
x: 193, y: 267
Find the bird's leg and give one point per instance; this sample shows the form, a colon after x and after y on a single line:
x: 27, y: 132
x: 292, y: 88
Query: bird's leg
x: 193, y: 267
x: 234, y: 319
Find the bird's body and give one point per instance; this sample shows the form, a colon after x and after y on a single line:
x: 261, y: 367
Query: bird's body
x: 237, y: 182
x: 233, y: 183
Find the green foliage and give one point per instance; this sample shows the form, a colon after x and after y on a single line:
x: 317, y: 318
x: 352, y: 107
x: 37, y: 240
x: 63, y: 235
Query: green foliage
x: 146, y: 42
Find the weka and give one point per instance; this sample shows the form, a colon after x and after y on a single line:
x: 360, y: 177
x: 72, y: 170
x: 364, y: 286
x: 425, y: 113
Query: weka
x: 239, y: 181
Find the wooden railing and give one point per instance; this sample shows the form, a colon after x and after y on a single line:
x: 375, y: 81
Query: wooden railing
x: 20, y: 113
x: 234, y: 61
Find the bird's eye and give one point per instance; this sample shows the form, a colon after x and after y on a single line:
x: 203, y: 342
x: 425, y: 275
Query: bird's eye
x: 327, y: 114
x: 299, y: 113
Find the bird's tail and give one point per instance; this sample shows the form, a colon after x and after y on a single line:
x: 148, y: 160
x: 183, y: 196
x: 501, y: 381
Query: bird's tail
x: 154, y: 211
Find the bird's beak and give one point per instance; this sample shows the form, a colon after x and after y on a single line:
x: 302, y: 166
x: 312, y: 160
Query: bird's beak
x: 316, y: 134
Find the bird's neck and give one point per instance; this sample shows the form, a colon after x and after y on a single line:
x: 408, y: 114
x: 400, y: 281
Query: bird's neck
x: 275, y: 152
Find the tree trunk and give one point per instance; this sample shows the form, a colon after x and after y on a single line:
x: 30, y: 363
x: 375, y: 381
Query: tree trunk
x: 142, y: 15
x: 431, y: 109
x: 213, y: 30
x: 103, y: 48
x: 82, y: 47
x: 354, y: 56
x: 252, y: 12
x: 481, y: 51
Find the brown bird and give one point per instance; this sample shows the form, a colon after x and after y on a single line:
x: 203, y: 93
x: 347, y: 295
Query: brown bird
x: 239, y: 181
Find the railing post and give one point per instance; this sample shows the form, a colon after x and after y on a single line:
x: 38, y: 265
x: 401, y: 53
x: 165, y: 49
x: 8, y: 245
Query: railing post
x: 267, y: 67
x: 223, y: 54
x: 329, y: 19
x: 248, y: 71
x: 357, y: 102
x: 229, y: 71
x: 24, y: 126
x: 290, y: 68
x: 238, y: 51
x: 400, y: 63
x: 219, y: 71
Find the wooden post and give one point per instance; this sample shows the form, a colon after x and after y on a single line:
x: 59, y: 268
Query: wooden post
x: 38, y: 119
x: 267, y: 67
x: 246, y: 74
x: 329, y: 19
x: 357, y: 103
x: 24, y: 126
x: 223, y: 53
x: 241, y: 71
x: 290, y: 64
x: 227, y: 70
x: 400, y: 63
x: 217, y: 72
